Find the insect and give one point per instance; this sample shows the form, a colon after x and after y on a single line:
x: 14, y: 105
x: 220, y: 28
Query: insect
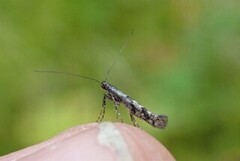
x: 117, y: 97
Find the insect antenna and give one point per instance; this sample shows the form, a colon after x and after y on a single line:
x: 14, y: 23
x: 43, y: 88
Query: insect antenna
x: 67, y: 73
x: 120, y: 52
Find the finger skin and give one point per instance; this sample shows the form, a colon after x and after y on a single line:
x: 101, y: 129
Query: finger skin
x: 103, y: 142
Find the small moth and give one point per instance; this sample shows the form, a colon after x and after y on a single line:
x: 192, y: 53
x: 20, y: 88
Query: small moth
x: 118, y: 97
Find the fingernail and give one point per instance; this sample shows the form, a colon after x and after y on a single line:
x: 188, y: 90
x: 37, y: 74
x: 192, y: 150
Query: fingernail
x: 111, y: 137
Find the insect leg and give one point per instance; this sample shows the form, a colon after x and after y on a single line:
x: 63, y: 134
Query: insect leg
x: 116, y: 104
x: 102, y: 112
x: 134, y: 121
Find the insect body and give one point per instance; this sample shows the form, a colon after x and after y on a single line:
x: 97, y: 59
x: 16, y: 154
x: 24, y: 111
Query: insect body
x: 117, y: 96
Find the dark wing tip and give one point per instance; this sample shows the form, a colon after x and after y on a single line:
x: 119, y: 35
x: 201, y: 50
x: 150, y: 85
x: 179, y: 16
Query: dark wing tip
x: 161, y: 121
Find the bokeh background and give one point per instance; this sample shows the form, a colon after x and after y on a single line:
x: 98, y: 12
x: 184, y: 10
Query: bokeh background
x: 183, y: 60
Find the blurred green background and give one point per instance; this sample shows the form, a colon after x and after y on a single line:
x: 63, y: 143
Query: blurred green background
x: 183, y: 60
